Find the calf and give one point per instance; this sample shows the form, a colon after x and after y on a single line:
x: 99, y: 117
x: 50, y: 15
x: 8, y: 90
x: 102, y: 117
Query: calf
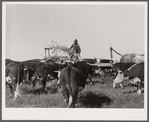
x: 135, y: 73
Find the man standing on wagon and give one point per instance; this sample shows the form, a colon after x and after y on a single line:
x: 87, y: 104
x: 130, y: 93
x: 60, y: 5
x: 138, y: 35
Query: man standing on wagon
x: 76, y: 50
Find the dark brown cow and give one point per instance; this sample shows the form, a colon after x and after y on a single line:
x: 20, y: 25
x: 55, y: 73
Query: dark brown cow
x: 42, y: 71
x: 88, y: 69
x: 72, y: 78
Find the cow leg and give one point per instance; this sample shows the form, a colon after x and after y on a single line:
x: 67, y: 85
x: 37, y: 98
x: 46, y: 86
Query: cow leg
x: 21, y: 84
x: 139, y: 87
x: 14, y: 87
x: 44, y: 85
x: 58, y: 83
x: 34, y: 82
x: 11, y: 90
x: 72, y: 101
x: 113, y: 85
x: 75, y: 99
x: 70, y: 104
x: 121, y: 86
x: 90, y: 79
x: 16, y: 93
x: 66, y: 95
x: 91, y: 82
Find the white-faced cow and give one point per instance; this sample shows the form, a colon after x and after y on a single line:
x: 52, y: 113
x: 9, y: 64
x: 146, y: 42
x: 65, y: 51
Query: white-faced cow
x: 121, y: 67
x: 135, y: 73
x: 14, y: 76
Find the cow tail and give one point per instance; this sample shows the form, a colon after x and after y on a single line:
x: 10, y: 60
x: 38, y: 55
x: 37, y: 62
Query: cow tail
x: 17, y: 84
x: 18, y: 77
x: 69, y: 88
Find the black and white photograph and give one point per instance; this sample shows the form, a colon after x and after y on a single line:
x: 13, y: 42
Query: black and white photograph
x: 74, y: 60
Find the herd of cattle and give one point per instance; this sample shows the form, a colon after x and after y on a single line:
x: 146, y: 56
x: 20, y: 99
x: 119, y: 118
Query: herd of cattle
x: 71, y: 77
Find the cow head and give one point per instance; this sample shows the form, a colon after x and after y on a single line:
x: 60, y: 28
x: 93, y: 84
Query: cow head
x: 94, y: 68
x: 99, y: 72
x: 119, y: 78
x: 8, y: 79
x: 59, y: 72
x: 26, y: 74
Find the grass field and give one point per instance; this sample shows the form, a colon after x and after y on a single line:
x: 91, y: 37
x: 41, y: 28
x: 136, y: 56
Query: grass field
x: 98, y: 95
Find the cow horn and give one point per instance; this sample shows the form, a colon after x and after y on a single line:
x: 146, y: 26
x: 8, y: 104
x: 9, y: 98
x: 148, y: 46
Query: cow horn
x: 58, y: 71
x: 91, y: 64
x: 25, y: 68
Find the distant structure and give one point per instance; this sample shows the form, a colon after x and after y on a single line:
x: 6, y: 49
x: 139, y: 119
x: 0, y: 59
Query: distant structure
x: 56, y: 50
x: 47, y: 49
x: 128, y: 58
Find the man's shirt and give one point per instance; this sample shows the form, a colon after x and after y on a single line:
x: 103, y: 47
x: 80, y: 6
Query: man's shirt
x: 75, y: 48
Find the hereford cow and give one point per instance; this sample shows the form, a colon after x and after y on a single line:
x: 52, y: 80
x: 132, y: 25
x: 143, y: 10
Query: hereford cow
x: 134, y: 73
x: 14, y: 76
x: 121, y: 66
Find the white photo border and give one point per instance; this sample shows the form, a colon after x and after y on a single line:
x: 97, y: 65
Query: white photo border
x: 72, y: 114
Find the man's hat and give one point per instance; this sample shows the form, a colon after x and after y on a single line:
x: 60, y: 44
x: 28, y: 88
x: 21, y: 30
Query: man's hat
x: 75, y: 40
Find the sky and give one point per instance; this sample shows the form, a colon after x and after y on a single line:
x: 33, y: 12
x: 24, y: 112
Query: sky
x: 31, y: 27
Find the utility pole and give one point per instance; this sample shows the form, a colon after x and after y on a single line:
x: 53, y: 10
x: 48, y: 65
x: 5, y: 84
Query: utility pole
x: 111, y: 51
